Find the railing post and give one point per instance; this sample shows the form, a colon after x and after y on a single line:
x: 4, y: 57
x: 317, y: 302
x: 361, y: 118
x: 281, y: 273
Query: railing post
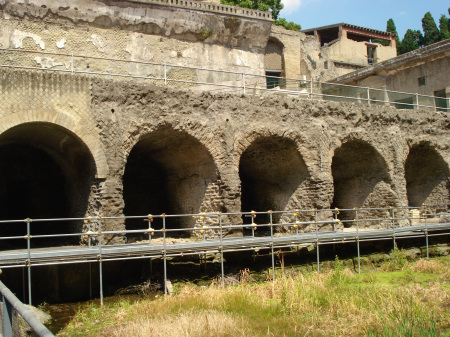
x: 357, y: 239
x: 100, y: 263
x: 164, y: 252
x: 271, y: 245
x: 417, y: 101
x: 311, y: 88
x: 317, y: 239
x: 71, y: 63
x: 243, y: 82
x: 426, y: 227
x: 165, y: 73
x: 393, y: 225
x: 7, y: 318
x: 368, y: 96
x: 221, y: 250
x: 28, y: 221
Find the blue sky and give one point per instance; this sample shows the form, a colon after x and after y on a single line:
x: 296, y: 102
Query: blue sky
x: 371, y: 14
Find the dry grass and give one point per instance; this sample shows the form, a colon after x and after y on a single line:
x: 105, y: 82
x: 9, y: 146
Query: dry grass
x: 192, y: 323
x: 333, y: 303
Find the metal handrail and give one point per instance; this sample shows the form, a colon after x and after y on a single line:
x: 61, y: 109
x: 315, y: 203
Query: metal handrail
x: 10, y: 302
x: 244, y: 77
x: 98, y: 252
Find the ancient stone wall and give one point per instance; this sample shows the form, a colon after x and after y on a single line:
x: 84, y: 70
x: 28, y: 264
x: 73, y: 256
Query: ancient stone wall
x: 155, y: 149
x: 143, y: 31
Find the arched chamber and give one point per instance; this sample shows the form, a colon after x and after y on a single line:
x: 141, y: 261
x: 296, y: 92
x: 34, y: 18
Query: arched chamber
x: 46, y: 172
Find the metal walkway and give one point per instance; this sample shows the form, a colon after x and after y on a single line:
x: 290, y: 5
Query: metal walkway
x: 422, y: 223
x: 81, y: 254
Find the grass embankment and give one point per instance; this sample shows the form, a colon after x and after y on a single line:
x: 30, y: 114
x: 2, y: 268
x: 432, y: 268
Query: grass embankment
x: 396, y: 299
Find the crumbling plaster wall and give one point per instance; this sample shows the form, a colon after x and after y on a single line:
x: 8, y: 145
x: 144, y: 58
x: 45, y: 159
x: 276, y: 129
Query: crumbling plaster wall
x: 135, y: 31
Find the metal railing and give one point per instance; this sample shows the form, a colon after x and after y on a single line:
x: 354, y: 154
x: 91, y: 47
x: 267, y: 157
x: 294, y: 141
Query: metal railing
x: 268, y: 230
x: 201, y: 79
x: 10, y: 312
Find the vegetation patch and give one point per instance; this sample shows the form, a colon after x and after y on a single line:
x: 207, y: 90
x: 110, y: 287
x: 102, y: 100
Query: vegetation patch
x: 399, y: 298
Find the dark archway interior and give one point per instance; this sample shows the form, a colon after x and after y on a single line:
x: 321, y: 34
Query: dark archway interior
x: 356, y: 168
x: 45, y: 172
x: 271, y: 170
x: 427, y: 176
x: 168, y: 172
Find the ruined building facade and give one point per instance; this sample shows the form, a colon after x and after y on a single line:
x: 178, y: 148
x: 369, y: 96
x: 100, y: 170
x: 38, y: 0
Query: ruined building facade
x: 73, y: 145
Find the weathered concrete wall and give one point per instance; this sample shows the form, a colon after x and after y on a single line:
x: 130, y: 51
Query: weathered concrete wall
x: 136, y: 31
x: 198, y: 152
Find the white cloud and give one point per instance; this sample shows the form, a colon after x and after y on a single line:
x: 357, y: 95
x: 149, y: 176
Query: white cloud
x: 291, y: 6
x: 403, y: 13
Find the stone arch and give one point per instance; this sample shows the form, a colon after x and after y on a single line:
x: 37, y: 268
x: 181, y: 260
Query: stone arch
x: 426, y: 175
x: 274, y: 63
x: 75, y: 125
x: 170, y: 171
x: 271, y: 170
x: 360, y: 177
x: 46, y: 171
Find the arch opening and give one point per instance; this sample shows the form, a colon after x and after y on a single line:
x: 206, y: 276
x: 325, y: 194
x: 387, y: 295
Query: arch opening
x: 360, y: 178
x: 427, y: 176
x: 45, y: 172
x: 271, y: 169
x: 169, y: 172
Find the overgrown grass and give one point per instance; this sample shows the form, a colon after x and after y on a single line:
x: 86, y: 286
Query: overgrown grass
x: 400, y: 299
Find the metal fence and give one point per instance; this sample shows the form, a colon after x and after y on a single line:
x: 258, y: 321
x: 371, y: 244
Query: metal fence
x: 15, y: 317
x: 202, y: 79
x: 295, y: 228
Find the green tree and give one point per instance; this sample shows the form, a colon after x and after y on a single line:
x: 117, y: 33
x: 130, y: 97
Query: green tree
x: 390, y: 28
x: 287, y: 24
x: 443, y: 28
x: 274, y: 6
x: 412, y: 40
x: 430, y: 30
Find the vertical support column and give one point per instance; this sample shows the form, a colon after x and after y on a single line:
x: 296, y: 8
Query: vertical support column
x: 271, y: 245
x: 165, y: 73
x: 424, y: 206
x: 311, y: 88
x: 28, y: 237
x: 393, y: 225
x: 417, y: 101
x: 88, y: 222
x: 357, y: 239
x: 243, y: 83
x: 164, y: 252
x: 100, y: 263
x: 317, y: 239
x: 368, y: 95
x: 221, y: 249
x: 7, y: 318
